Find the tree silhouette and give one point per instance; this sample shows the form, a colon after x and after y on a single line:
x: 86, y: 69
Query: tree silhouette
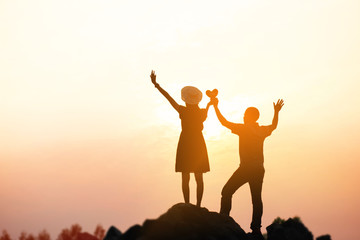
x: 43, y: 235
x: 70, y: 234
x: 75, y: 230
x: 23, y: 236
x: 5, y: 235
x: 99, y: 232
x: 30, y: 237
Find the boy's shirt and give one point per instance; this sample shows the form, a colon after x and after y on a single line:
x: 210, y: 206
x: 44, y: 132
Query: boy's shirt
x: 251, y: 142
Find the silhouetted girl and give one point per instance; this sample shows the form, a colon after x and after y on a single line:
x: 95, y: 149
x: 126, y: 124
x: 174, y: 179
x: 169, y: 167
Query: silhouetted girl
x: 191, y: 155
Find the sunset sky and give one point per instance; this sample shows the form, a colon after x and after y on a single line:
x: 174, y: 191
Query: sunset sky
x: 86, y: 138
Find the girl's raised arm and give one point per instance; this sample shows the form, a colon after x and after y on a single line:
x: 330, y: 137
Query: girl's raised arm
x: 163, y: 92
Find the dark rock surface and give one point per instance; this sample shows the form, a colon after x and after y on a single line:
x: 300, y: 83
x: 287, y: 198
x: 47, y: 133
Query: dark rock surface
x: 188, y: 222
x: 291, y: 229
x: 184, y: 221
x: 113, y: 234
x: 324, y: 237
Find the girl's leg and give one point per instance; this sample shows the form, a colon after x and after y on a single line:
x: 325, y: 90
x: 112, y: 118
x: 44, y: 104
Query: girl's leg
x: 199, y: 188
x: 185, y: 186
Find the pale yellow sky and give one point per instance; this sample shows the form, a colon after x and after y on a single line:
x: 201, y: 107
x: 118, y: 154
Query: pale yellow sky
x: 86, y: 138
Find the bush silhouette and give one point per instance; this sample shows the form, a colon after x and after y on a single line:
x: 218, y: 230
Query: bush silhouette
x: 72, y: 233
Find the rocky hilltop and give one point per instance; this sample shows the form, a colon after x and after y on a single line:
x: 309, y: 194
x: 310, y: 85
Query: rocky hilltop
x: 188, y: 222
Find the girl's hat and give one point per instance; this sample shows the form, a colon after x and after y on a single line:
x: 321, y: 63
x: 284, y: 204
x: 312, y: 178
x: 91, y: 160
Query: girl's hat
x: 191, y: 95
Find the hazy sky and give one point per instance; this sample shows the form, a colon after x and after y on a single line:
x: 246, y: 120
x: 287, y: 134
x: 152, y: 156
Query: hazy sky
x: 85, y: 137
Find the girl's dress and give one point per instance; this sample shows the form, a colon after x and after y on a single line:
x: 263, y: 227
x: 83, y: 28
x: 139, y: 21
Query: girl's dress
x: 191, y: 153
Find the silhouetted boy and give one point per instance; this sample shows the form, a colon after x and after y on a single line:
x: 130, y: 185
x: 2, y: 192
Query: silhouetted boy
x: 251, y: 169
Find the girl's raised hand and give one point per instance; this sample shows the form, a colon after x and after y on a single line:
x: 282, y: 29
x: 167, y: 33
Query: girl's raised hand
x: 153, y: 77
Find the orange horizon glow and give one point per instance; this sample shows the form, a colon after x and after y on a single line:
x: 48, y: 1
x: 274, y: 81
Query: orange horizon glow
x: 85, y: 137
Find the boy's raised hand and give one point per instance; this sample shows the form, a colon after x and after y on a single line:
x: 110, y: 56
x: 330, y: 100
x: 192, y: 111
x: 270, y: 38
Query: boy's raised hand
x: 215, y: 101
x: 278, y: 105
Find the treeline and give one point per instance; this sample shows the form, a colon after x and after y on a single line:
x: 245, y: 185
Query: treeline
x: 72, y: 233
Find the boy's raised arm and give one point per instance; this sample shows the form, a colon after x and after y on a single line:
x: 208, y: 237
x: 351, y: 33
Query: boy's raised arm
x: 221, y: 118
x: 277, y: 108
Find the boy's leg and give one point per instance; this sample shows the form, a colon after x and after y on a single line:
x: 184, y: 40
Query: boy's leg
x: 199, y: 188
x: 236, y: 180
x: 256, y: 188
x: 185, y: 186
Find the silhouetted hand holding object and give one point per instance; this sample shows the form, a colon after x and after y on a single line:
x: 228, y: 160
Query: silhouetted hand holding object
x: 212, y: 95
x: 215, y: 101
x: 278, y: 105
x: 153, y: 78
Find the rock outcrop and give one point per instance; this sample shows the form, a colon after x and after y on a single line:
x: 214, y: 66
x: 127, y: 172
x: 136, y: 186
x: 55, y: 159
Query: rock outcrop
x: 183, y: 221
x: 188, y: 222
x: 291, y: 229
